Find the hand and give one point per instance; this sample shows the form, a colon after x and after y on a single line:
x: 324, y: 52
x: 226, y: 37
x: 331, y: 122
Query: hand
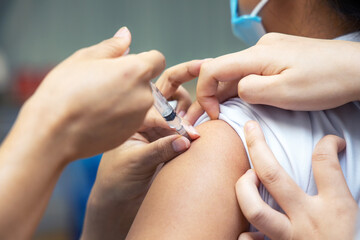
x: 329, y: 215
x: 81, y: 108
x: 285, y: 71
x: 170, y: 82
x: 124, y: 177
x: 97, y: 98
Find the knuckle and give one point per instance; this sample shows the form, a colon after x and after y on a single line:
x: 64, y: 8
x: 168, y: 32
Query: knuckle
x: 160, y: 60
x: 190, y: 71
x: 110, y: 45
x: 270, y: 176
x: 321, y: 155
x: 345, y: 206
x: 206, y: 73
x: 143, y: 67
x: 206, y: 68
x: 163, y: 152
x: 256, y: 214
x: 83, y: 52
x: 167, y: 73
x: 251, y: 140
x: 243, y: 92
x: 159, y: 55
x: 130, y: 61
x: 269, y: 37
x: 174, y: 82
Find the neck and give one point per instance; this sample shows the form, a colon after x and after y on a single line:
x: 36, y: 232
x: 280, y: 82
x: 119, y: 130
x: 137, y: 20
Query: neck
x: 309, y: 18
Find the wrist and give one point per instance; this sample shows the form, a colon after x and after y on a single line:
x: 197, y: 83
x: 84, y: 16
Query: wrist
x: 32, y: 160
x: 108, y: 219
x: 43, y: 129
x: 110, y: 201
x: 105, y: 195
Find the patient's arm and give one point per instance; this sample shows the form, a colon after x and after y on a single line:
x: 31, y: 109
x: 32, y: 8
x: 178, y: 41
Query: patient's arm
x: 193, y: 197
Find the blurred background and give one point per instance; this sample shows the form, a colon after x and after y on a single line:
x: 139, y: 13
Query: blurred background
x: 35, y: 35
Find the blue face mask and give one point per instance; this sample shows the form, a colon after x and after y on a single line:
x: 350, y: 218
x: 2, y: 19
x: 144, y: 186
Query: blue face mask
x: 247, y: 27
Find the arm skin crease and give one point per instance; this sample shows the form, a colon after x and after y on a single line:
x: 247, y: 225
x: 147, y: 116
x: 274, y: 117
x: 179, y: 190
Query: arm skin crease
x: 193, y: 197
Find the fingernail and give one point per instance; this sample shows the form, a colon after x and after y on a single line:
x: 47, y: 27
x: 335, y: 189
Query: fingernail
x: 122, y: 33
x: 126, y: 52
x: 182, y: 114
x: 193, y: 131
x: 180, y: 144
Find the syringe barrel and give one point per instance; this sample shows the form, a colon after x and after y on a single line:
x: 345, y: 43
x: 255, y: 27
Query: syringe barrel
x: 160, y: 102
x: 167, y: 112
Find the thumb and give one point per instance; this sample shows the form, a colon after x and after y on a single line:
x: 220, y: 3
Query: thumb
x: 165, y: 149
x: 116, y: 46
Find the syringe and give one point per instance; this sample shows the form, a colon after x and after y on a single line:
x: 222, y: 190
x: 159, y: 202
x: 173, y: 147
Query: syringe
x: 167, y: 112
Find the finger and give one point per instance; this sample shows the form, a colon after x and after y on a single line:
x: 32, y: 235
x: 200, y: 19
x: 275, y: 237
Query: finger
x: 127, y: 51
x: 258, y: 89
x: 228, y: 68
x: 183, y: 99
x: 173, y: 77
x: 113, y: 47
x: 251, y: 236
x: 326, y: 167
x: 267, y: 220
x: 226, y: 90
x: 165, y: 149
x: 194, y: 112
x: 284, y: 190
x: 150, y: 64
x: 209, y: 102
x: 153, y: 119
x: 192, y: 132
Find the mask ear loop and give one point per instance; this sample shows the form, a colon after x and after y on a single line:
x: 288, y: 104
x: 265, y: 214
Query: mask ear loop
x: 258, y: 8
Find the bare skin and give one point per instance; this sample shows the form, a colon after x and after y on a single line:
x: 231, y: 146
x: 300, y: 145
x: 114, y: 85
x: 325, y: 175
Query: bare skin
x: 310, y: 18
x: 328, y: 215
x: 188, y: 199
x: 193, y: 196
x: 60, y: 124
x: 294, y: 80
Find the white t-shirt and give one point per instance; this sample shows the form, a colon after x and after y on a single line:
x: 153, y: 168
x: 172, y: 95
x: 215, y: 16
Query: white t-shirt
x: 292, y: 136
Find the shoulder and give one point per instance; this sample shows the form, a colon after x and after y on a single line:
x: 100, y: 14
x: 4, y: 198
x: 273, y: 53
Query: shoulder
x: 219, y: 150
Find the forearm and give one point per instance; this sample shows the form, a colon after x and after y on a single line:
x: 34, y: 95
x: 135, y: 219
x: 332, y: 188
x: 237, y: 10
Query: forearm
x: 349, y: 67
x: 31, y: 161
x: 108, y: 219
x: 193, y: 196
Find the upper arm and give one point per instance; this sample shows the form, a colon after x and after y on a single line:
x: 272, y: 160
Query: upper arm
x: 193, y: 196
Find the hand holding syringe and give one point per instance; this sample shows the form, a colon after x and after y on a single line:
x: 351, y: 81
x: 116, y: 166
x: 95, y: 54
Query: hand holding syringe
x: 168, y: 113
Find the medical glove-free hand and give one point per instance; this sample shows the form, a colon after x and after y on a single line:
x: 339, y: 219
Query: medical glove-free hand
x: 90, y: 103
x: 170, y: 82
x: 329, y: 215
x: 125, y: 175
x: 97, y: 98
x: 285, y: 71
